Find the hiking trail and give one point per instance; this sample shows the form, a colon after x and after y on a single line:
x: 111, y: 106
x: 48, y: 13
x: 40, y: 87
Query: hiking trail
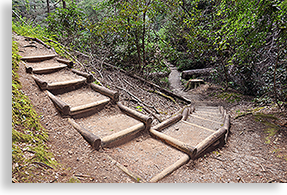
x: 145, y: 152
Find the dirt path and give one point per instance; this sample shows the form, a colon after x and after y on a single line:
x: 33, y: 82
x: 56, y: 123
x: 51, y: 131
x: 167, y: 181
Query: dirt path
x: 245, y: 157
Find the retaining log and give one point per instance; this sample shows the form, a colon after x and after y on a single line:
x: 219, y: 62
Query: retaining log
x: 187, y: 74
x: 69, y: 63
x: 38, y: 58
x: 92, y: 139
x: 141, y: 117
x: 88, y: 107
x: 42, y: 84
x: 122, y: 136
x: 62, y: 106
x: 167, y: 122
x: 47, y: 69
x: 114, y: 95
x: 170, y: 169
x: 190, y: 150
x: 217, y: 135
x: 64, y: 84
x: 90, y: 78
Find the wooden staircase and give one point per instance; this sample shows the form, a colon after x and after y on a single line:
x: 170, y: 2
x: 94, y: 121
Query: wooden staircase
x: 151, y: 152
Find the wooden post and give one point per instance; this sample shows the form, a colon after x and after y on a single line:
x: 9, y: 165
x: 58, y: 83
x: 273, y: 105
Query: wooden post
x: 92, y: 139
x: 62, y: 106
x: 185, y: 114
x: 114, y: 95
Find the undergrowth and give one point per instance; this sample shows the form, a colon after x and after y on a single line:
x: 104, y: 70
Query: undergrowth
x: 29, y: 146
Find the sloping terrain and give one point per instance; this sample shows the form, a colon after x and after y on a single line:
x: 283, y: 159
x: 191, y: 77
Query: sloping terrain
x: 140, y: 156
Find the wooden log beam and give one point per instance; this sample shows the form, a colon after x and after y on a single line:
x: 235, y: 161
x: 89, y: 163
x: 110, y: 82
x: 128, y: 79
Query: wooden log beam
x: 213, y: 138
x: 38, y: 58
x: 63, y: 84
x: 42, y: 84
x: 167, y: 122
x: 90, y: 77
x: 92, y: 139
x: 69, y: 63
x: 88, y: 107
x: 190, y: 150
x: 62, y: 106
x: 187, y: 74
x: 170, y: 169
x: 47, y: 69
x: 122, y: 136
x: 139, y: 116
x: 114, y: 95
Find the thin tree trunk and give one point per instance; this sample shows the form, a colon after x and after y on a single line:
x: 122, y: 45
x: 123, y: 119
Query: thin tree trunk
x: 64, y: 4
x: 48, y: 7
x: 138, y: 48
x: 143, y: 43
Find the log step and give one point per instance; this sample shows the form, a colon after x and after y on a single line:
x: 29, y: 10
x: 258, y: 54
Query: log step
x: 88, y: 107
x: 48, y: 69
x: 79, y: 101
x: 38, y: 58
x: 116, y: 128
x: 147, y: 158
x: 44, y: 84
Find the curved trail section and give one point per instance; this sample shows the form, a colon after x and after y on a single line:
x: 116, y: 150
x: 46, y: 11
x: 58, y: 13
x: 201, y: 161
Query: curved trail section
x: 176, y: 86
x: 144, y: 152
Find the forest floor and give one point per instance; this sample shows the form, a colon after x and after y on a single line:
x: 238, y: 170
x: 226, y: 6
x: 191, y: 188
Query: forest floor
x: 256, y: 148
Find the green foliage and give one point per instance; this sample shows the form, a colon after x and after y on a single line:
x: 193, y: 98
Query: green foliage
x: 245, y: 41
x: 27, y: 132
x: 271, y: 128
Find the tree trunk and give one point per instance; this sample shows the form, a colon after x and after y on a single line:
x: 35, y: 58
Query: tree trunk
x: 64, y: 4
x: 138, y: 49
x: 48, y: 7
x: 143, y: 43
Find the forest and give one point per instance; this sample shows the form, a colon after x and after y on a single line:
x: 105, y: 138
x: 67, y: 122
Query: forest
x: 243, y: 41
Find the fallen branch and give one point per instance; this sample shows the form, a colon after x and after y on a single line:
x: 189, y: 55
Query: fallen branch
x: 244, y: 114
x: 137, y: 99
x: 164, y: 95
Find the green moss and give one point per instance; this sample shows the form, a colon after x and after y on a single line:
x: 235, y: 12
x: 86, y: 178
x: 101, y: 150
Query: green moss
x: 229, y: 97
x: 27, y: 132
x: 271, y: 128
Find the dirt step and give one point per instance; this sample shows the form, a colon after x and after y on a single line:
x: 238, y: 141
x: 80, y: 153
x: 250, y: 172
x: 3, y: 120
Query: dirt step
x: 112, y: 126
x: 44, y: 67
x: 212, y: 117
x: 83, y: 99
x: 148, y: 158
x: 60, y: 79
x: 38, y: 58
x: 207, y: 109
x: 187, y: 133
x: 205, y: 122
